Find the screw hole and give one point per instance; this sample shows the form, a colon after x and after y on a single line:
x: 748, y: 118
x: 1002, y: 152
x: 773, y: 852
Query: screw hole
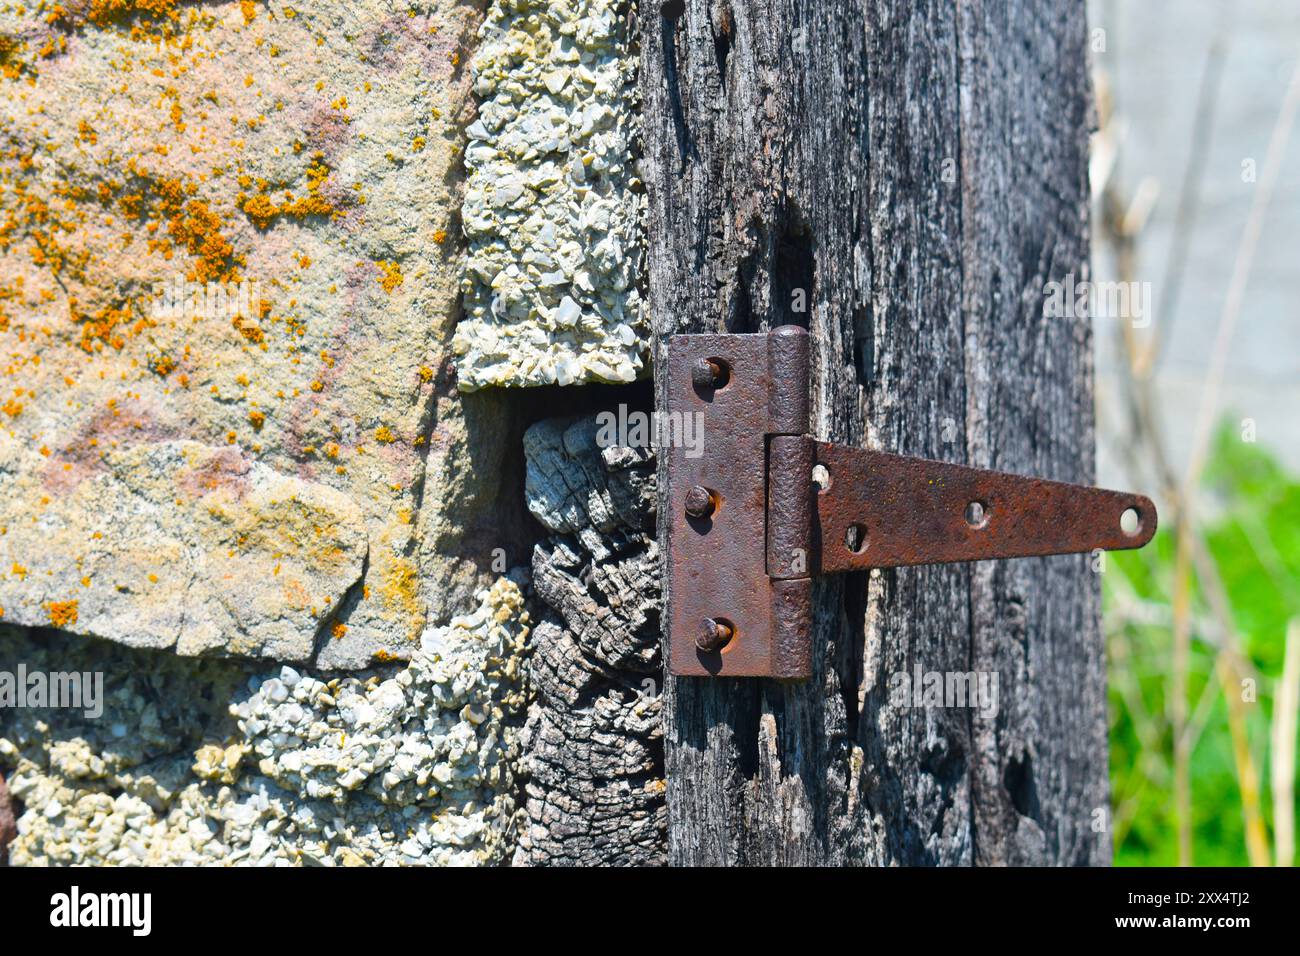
x: 855, y: 538
x: 709, y: 375
x: 1130, y: 521
x: 701, y: 503
x: 715, y: 635
x: 721, y: 372
x: 821, y: 477
x: 977, y: 515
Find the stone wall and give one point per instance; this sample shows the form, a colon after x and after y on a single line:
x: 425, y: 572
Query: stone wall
x: 228, y: 281
x: 267, y: 276
x: 228, y: 762
x: 553, y: 208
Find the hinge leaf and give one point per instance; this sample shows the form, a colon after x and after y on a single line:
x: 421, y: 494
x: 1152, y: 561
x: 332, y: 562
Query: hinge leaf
x: 883, y: 511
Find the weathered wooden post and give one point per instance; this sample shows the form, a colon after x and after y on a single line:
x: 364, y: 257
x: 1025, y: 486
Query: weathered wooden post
x: 902, y: 179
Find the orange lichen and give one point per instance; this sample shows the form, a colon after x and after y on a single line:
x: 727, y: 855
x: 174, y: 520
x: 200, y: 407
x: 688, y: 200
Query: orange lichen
x: 199, y: 230
x: 259, y: 209
x: 106, y: 326
x: 384, y: 434
x: 251, y: 332
x: 10, y: 48
x: 399, y: 589
x: 425, y: 373
x: 62, y: 613
x: 390, y: 275
x: 339, y: 629
x: 257, y: 419
x: 262, y: 210
x: 102, y: 11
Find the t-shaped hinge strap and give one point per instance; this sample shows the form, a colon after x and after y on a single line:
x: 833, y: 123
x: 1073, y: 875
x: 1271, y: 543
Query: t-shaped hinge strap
x: 757, y: 508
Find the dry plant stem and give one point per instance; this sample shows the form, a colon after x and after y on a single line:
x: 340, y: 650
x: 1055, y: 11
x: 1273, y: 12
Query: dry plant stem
x: 1240, y: 275
x: 1142, y: 415
x: 1189, y: 195
x: 1247, y: 775
x: 1248, y: 779
x: 1189, y: 547
x: 1148, y: 733
x: 1286, y: 699
x: 1178, y: 688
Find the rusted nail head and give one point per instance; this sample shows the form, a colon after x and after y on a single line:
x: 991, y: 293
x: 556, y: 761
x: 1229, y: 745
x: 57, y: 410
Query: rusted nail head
x: 713, y: 636
x: 699, y: 503
x: 705, y: 373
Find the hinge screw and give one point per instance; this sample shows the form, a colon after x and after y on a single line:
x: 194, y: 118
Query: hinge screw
x: 714, y: 635
x: 699, y: 503
x: 707, y: 374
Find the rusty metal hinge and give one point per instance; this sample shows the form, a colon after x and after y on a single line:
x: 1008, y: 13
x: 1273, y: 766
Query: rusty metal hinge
x: 758, y: 508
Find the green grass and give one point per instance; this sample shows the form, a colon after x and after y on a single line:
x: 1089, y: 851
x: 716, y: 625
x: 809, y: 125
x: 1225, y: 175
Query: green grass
x: 1252, y: 529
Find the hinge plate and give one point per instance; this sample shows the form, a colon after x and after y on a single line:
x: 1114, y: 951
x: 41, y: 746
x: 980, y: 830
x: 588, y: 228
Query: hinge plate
x: 748, y: 527
x: 716, y: 564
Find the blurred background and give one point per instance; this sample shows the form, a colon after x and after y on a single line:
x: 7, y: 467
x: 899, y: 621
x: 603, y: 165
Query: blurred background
x: 1196, y: 184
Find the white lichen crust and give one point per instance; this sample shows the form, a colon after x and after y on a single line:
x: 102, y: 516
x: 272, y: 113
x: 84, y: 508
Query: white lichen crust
x: 207, y: 763
x: 553, y: 206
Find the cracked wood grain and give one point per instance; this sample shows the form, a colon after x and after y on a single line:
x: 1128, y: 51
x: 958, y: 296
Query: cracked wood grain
x: 593, y: 743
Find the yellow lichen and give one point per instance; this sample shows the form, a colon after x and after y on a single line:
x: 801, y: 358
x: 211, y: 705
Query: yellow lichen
x: 62, y: 613
x: 260, y: 209
x: 400, y: 589
x: 199, y: 230
x: 390, y: 275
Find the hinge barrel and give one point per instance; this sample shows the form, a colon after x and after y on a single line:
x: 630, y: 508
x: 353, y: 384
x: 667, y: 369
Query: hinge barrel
x: 791, y: 550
